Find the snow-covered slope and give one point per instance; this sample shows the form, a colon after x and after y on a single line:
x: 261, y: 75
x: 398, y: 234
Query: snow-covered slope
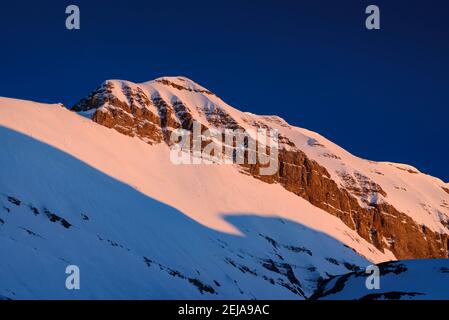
x: 420, y: 196
x: 373, y: 198
x: 75, y: 192
x: 426, y: 279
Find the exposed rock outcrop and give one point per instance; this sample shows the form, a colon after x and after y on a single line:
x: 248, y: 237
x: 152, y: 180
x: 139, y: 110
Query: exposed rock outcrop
x: 379, y: 223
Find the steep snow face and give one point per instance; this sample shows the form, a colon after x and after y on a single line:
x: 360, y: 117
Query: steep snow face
x: 393, y: 206
x: 422, y: 197
x: 75, y: 192
x: 400, y: 280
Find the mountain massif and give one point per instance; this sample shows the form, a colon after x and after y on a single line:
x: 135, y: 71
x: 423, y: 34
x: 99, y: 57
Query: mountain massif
x: 93, y: 185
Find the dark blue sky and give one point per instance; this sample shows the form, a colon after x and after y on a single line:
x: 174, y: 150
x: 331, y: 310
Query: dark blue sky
x: 382, y: 95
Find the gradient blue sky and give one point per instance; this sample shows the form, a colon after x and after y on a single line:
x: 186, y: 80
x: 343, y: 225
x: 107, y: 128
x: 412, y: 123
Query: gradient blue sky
x: 382, y: 95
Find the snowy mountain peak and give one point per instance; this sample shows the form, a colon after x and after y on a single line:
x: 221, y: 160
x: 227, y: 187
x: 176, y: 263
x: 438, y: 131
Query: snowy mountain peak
x: 216, y: 231
x: 382, y: 201
x: 181, y: 83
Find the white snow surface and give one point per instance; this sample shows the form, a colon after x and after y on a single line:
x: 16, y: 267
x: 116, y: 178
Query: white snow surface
x: 141, y: 227
x: 412, y: 192
x: 209, y: 223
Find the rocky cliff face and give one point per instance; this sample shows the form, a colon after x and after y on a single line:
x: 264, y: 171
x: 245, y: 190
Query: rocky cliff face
x: 379, y: 223
x: 151, y: 111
